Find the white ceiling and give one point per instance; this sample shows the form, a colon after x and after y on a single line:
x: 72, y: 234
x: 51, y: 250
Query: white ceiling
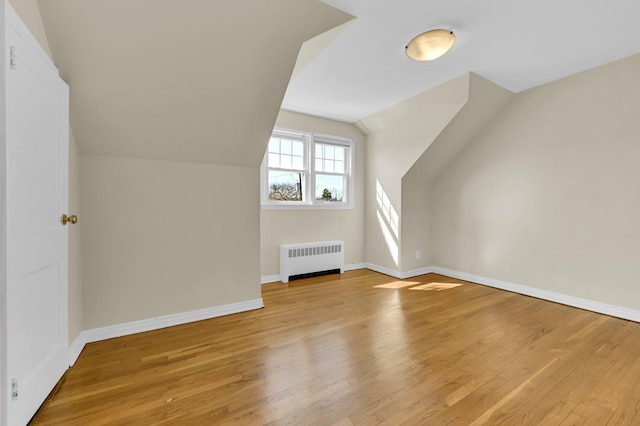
x: 516, y: 44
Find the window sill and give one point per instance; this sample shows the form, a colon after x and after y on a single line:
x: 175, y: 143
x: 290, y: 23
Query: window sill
x: 327, y: 206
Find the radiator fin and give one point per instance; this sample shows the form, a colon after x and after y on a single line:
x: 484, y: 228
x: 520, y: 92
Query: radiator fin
x: 314, y: 251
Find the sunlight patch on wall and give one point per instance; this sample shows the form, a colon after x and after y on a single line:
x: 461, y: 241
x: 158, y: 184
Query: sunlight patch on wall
x: 392, y: 245
x: 389, y: 222
x: 389, y: 213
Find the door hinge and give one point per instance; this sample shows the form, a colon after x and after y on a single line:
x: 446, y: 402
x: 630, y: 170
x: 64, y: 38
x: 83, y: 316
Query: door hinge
x: 14, y: 389
x: 12, y: 57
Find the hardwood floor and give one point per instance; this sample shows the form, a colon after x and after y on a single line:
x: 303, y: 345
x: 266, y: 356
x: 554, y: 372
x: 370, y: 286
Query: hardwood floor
x: 338, y: 350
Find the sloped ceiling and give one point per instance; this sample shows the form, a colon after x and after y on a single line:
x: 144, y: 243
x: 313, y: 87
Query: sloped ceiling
x: 515, y: 44
x: 188, y: 80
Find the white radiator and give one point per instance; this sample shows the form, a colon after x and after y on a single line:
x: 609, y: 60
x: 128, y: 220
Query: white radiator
x: 309, y: 258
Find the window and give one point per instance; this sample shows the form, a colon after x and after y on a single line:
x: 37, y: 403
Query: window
x: 306, y: 170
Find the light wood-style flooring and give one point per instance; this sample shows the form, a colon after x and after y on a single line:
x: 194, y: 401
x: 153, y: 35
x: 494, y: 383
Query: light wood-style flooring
x: 364, y: 349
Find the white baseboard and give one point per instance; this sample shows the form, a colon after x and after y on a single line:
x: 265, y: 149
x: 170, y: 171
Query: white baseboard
x: 266, y: 279
x: 75, y: 349
x: 415, y: 272
x: 383, y: 270
x: 576, y: 302
x: 103, y: 333
x: 354, y: 266
x: 109, y: 332
x: 397, y: 274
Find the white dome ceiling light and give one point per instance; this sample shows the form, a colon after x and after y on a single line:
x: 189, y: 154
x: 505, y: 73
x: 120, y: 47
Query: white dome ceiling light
x: 430, y: 45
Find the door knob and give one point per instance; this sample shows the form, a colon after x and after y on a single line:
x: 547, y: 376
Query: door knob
x: 73, y: 219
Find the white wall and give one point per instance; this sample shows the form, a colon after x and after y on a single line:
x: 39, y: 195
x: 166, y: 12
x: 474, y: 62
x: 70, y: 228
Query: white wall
x: 547, y: 196
x: 162, y: 237
x: 296, y: 226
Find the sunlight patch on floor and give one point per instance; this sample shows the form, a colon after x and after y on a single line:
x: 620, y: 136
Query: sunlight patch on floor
x: 397, y: 284
x: 435, y: 286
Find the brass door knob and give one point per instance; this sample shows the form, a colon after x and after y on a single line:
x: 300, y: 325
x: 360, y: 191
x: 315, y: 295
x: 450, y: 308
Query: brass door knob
x: 73, y: 219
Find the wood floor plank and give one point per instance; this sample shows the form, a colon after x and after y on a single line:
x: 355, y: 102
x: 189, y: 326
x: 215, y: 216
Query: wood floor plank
x: 363, y: 348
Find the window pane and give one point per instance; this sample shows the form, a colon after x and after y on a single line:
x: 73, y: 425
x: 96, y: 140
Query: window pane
x: 274, y: 160
x: 274, y: 145
x: 297, y: 163
x: 285, y: 146
x: 285, y: 186
x: 329, y: 151
x: 297, y: 148
x: 328, y: 166
x: 285, y: 161
x: 329, y: 188
x: 334, y: 158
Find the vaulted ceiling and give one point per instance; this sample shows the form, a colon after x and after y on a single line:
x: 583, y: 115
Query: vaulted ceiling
x: 203, y: 80
x: 515, y: 44
x: 188, y: 80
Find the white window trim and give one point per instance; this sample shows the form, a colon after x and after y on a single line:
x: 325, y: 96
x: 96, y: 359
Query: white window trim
x: 310, y: 181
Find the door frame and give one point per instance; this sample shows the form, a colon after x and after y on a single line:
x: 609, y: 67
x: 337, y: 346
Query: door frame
x: 3, y: 214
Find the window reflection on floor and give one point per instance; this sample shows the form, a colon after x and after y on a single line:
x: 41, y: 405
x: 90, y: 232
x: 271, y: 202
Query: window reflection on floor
x: 397, y: 284
x: 413, y: 285
x: 435, y: 286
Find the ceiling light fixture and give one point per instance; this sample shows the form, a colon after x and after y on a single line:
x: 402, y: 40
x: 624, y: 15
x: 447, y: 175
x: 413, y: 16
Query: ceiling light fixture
x: 430, y: 45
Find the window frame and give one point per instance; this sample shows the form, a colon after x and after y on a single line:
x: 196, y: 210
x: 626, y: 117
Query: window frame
x: 309, y: 186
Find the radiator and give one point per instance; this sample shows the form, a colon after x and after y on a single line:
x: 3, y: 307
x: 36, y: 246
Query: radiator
x: 309, y: 258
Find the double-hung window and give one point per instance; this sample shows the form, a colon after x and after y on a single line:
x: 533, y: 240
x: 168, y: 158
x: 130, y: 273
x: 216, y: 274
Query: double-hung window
x: 306, y: 170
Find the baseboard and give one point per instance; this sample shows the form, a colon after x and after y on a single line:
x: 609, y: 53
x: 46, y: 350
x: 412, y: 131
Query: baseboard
x: 354, y: 266
x: 75, y: 349
x: 103, y: 333
x: 383, y: 270
x: 415, y: 272
x: 576, y: 302
x: 266, y: 279
x: 397, y: 274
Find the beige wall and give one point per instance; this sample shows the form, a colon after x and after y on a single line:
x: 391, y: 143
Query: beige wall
x: 163, y: 237
x: 486, y: 100
x: 396, y: 138
x: 297, y: 226
x: 416, y: 223
x: 547, y: 196
x: 29, y: 12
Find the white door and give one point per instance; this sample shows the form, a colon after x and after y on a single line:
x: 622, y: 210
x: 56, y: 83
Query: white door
x: 36, y: 141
